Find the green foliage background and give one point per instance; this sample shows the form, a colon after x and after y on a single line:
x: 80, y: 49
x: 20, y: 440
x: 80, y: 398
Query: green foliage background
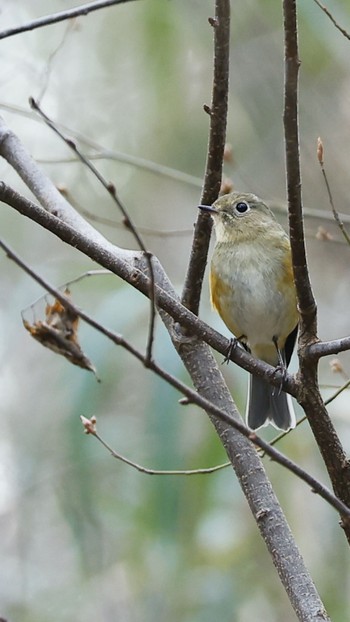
x: 84, y: 537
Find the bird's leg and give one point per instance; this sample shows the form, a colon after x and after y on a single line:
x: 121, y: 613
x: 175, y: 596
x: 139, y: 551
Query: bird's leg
x: 234, y: 343
x: 281, y: 366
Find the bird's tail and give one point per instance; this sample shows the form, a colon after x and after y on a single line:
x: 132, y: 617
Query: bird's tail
x: 266, y: 404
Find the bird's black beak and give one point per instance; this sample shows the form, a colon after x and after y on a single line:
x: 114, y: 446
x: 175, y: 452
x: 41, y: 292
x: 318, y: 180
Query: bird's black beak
x: 208, y: 208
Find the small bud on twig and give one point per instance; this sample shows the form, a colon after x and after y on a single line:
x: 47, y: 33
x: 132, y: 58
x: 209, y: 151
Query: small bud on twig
x: 320, y: 151
x: 213, y: 22
x: 111, y: 188
x: 89, y: 424
x: 184, y: 401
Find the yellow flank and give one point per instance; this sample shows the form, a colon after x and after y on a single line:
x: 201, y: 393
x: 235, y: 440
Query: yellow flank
x: 222, y: 300
x: 219, y: 290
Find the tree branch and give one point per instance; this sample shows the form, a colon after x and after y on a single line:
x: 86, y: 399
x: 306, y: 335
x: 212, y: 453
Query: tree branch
x: 217, y: 134
x: 326, y: 348
x: 306, y: 301
x: 308, y: 393
x: 128, y: 223
x: 336, y: 216
x: 215, y: 397
x: 333, y: 20
x: 126, y: 264
x: 206, y: 404
x: 54, y: 18
x: 256, y: 487
x: 90, y: 428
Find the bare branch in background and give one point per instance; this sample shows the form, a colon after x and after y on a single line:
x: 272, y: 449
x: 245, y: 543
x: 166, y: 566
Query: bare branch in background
x: 334, y: 22
x: 320, y: 157
x: 111, y: 189
x: 54, y: 18
x: 50, y: 61
x: 90, y: 428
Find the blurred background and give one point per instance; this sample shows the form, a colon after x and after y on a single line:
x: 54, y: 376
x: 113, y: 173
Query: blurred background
x: 85, y: 537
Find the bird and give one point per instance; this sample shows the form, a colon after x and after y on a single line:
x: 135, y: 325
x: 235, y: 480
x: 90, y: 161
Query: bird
x: 253, y: 290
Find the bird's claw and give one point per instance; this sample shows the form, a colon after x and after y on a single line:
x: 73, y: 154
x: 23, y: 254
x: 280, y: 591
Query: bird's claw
x: 280, y: 373
x: 235, y: 342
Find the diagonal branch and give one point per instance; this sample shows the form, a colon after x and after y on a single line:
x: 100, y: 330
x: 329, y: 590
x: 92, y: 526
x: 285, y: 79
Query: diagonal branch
x: 333, y: 20
x: 54, y: 18
x: 210, y: 385
x: 191, y: 395
x: 217, y: 134
x: 336, y: 216
x: 128, y: 266
x: 128, y: 223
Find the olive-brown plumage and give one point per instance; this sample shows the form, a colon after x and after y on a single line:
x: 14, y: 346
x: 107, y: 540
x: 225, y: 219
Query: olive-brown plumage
x: 252, y: 288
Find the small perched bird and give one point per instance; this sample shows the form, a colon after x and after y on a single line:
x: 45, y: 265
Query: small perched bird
x: 252, y: 288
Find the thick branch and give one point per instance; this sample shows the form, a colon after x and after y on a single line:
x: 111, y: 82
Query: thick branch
x: 217, y: 134
x: 110, y: 188
x: 256, y: 487
x: 42, y: 187
x: 83, y: 236
x: 326, y: 348
x: 308, y: 392
x: 209, y: 384
x: 215, y: 398
x: 191, y: 395
x: 125, y: 265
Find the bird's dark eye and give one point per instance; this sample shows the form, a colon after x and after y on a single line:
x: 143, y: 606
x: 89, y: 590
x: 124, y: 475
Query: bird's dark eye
x: 242, y: 207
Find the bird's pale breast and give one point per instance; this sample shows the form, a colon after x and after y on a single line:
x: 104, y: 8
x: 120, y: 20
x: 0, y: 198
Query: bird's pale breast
x: 252, y: 289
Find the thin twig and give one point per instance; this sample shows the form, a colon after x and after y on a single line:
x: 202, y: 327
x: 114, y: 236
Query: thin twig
x: 320, y: 157
x: 90, y: 428
x: 330, y: 399
x: 217, y: 134
x: 111, y: 189
x: 109, y: 154
x: 123, y: 158
x: 345, y: 386
x: 165, y: 233
x: 67, y: 284
x: 54, y: 18
x: 191, y: 394
x: 48, y: 66
x: 329, y: 14
x: 207, y: 470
